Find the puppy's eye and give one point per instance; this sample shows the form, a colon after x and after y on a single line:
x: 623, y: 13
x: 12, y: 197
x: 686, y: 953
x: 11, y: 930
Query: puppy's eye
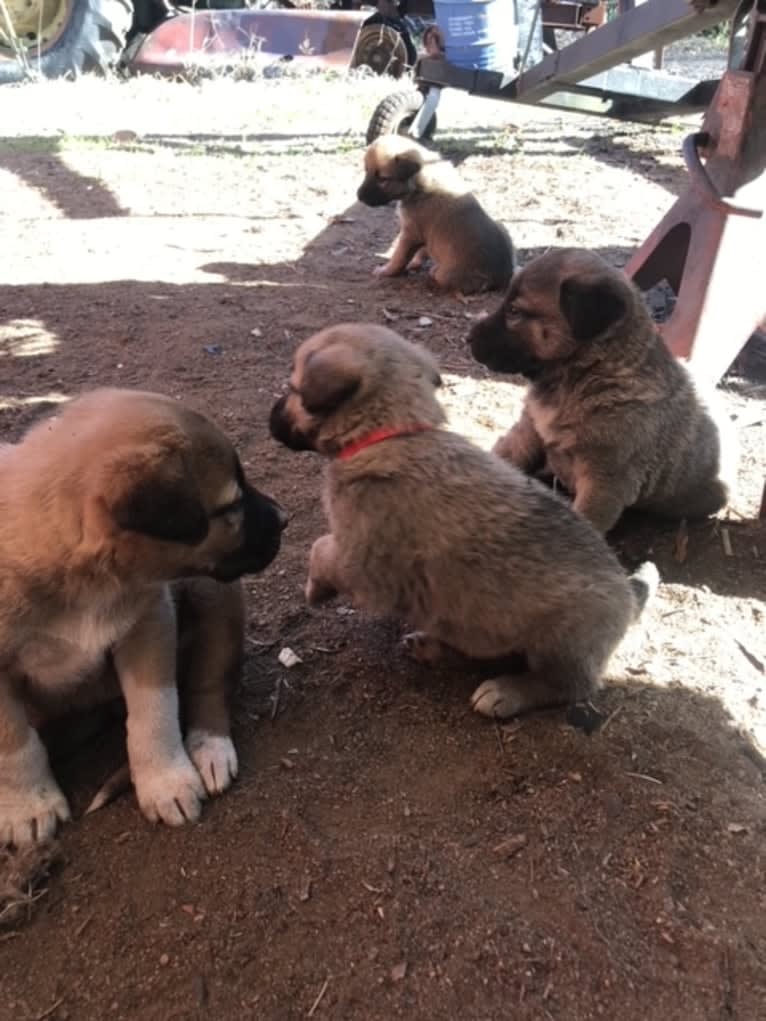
x: 230, y: 511
x: 515, y: 311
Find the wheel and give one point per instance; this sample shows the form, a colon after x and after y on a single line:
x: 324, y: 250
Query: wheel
x: 394, y: 116
x: 59, y: 38
x: 382, y: 49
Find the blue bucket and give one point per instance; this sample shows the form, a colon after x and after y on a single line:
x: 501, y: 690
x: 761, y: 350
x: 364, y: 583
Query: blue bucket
x: 479, y: 34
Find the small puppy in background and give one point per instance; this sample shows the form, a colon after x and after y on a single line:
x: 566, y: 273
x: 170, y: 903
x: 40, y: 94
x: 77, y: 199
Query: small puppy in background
x: 427, y: 527
x: 609, y: 411
x: 125, y: 522
x: 438, y: 217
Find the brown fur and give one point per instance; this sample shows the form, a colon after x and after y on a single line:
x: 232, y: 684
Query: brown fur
x: 609, y: 411
x: 427, y: 527
x: 125, y: 523
x: 438, y: 217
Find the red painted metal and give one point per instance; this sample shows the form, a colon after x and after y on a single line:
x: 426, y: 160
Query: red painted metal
x: 215, y: 38
x: 711, y: 245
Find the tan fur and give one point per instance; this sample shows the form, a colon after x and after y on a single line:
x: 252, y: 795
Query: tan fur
x: 426, y: 527
x: 438, y: 217
x: 609, y: 411
x: 116, y: 518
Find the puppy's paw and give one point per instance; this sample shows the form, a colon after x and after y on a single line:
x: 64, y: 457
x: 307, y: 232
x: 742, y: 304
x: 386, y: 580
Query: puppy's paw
x: 215, y: 757
x: 27, y: 816
x: 504, y: 448
x: 31, y: 802
x: 317, y: 591
x: 386, y: 270
x: 499, y: 698
x: 171, y: 793
x: 422, y: 647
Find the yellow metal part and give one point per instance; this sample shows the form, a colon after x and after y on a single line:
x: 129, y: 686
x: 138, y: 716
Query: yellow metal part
x: 32, y: 25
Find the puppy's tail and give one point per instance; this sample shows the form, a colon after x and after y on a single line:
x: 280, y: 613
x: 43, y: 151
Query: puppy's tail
x: 644, y: 583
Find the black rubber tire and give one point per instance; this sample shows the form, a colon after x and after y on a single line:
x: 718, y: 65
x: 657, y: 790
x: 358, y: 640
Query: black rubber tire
x: 92, y: 40
x: 382, y: 49
x: 394, y: 115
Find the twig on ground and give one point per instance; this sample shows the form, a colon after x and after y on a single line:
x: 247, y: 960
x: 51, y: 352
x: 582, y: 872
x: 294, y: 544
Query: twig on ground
x: 645, y: 776
x: 50, y: 1010
x: 318, y: 1000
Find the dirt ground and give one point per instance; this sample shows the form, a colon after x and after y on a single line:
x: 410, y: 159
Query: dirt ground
x: 385, y: 852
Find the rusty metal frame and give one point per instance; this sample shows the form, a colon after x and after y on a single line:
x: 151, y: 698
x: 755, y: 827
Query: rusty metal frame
x: 591, y: 73
x: 710, y: 245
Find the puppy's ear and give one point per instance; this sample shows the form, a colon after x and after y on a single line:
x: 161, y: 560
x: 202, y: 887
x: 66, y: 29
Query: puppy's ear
x: 406, y: 165
x: 159, y: 499
x: 330, y: 377
x: 591, y: 305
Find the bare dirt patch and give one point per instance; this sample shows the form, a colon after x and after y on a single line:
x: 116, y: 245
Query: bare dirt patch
x: 385, y: 853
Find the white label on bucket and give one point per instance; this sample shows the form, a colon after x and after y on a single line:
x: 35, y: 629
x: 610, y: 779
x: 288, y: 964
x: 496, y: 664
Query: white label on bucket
x: 461, y: 26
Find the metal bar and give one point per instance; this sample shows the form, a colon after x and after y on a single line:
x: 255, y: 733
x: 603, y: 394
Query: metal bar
x: 655, y: 23
x: 624, y: 92
x: 425, y: 113
x: 701, y: 181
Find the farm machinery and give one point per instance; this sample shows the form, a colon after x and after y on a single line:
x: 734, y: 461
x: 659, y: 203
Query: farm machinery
x: 709, y: 247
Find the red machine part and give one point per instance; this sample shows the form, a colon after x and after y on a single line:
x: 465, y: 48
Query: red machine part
x: 711, y: 245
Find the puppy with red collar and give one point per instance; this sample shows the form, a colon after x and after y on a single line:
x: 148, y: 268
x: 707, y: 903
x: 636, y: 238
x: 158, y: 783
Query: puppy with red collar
x: 427, y: 527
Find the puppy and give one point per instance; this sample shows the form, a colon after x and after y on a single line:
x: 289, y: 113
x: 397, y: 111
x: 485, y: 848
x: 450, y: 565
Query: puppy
x: 610, y: 412
x: 438, y: 217
x: 428, y: 527
x: 125, y: 522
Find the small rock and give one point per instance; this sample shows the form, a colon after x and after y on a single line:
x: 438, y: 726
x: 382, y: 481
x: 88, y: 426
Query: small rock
x: 288, y: 658
x: 399, y: 971
x: 425, y: 321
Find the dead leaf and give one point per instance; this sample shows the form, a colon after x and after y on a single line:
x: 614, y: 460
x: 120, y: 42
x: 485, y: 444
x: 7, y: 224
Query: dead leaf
x: 508, y: 848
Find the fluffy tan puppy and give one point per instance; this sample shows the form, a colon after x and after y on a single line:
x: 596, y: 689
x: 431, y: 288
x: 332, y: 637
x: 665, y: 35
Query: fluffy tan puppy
x: 427, y: 527
x: 609, y: 411
x: 125, y: 522
x: 438, y: 217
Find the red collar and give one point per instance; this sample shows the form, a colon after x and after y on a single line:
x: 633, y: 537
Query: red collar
x: 377, y: 436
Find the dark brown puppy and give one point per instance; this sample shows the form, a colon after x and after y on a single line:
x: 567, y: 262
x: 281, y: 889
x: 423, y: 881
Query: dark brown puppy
x: 125, y: 522
x: 438, y: 216
x: 609, y: 411
x: 427, y: 527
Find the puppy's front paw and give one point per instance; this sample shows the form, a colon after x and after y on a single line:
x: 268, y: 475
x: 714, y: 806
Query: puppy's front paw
x: 386, y: 270
x: 215, y: 757
x: 31, y: 802
x: 499, y: 698
x: 317, y: 591
x: 171, y: 793
x: 422, y: 647
x: 504, y: 448
x: 31, y: 815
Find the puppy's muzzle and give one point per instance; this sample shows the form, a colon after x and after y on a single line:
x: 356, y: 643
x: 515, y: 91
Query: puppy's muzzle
x: 487, y: 339
x: 371, y: 193
x: 495, y: 346
x: 283, y: 428
x: 264, y: 523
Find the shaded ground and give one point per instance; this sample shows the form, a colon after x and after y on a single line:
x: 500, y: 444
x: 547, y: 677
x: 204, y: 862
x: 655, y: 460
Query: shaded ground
x: 385, y: 853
